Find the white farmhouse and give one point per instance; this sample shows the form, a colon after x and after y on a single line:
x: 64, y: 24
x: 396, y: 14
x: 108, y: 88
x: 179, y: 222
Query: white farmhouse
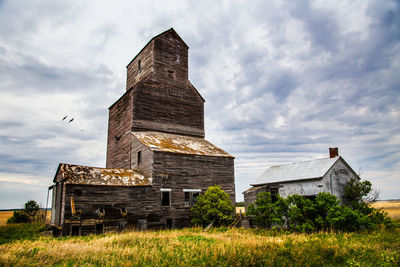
x: 306, y: 178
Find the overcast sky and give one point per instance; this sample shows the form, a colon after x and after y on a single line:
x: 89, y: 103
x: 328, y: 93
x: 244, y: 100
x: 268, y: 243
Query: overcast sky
x: 283, y: 81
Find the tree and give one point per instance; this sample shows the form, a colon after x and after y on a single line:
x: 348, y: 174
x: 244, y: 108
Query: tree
x: 214, y: 206
x: 31, y: 209
x: 359, y: 195
x: 356, y: 190
x: 29, y: 214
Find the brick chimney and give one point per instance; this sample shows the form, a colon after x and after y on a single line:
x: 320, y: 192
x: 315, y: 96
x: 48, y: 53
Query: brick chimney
x: 333, y: 152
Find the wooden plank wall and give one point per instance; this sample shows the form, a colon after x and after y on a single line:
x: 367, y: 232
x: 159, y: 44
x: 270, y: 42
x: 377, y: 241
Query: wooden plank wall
x: 146, y: 166
x: 170, y: 59
x: 141, y: 202
x: 146, y: 66
x: 119, y: 137
x: 175, y: 110
x: 179, y: 171
x: 250, y: 197
x: 172, y: 171
x: 163, y: 98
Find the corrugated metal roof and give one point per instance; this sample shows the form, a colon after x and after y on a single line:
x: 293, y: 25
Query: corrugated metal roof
x: 179, y: 144
x: 77, y: 174
x: 296, y: 171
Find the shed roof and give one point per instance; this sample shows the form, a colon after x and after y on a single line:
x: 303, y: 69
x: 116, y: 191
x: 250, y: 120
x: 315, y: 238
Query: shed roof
x: 311, y: 169
x: 84, y: 175
x: 182, y: 144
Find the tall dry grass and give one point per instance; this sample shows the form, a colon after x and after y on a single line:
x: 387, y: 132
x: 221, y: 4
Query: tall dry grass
x: 219, y: 247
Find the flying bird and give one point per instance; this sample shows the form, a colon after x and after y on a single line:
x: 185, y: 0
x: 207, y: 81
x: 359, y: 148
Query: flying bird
x: 71, y: 120
x: 64, y: 117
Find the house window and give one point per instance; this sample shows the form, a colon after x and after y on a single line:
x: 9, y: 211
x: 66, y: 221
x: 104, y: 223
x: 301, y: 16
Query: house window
x: 138, y: 65
x: 165, y: 197
x: 191, y: 196
x: 187, y: 199
x: 139, y: 157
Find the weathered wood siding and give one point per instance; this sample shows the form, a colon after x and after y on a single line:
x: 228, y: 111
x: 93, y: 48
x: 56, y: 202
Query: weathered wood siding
x: 164, y: 58
x: 58, y: 202
x: 250, y: 197
x: 179, y: 171
x: 157, y: 107
x: 146, y: 165
x: 141, y: 202
x: 119, y: 137
x: 163, y: 98
x: 134, y: 75
x: 170, y: 59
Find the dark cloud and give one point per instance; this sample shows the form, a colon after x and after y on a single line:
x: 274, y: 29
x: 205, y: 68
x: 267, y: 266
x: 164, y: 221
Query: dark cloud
x: 320, y: 24
x: 29, y: 73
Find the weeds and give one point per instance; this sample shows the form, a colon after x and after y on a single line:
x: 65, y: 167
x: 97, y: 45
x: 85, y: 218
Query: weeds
x: 20, y: 231
x: 222, y: 247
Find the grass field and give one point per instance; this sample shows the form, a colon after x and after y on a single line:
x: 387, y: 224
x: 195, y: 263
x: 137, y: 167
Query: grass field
x: 4, y: 215
x: 391, y: 207
x: 217, y: 247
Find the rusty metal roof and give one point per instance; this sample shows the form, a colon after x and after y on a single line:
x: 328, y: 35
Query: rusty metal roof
x: 175, y: 143
x: 296, y: 171
x: 77, y: 174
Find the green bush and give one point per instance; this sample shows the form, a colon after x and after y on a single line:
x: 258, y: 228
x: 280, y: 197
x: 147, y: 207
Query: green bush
x: 267, y: 214
x: 296, y: 213
x: 31, y: 213
x: 19, y: 216
x: 214, y: 206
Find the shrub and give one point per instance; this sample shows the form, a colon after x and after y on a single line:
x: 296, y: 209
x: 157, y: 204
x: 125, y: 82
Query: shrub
x: 19, y: 216
x: 214, y: 206
x: 31, y: 213
x: 324, y: 213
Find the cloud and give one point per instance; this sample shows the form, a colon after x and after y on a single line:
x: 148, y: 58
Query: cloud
x: 283, y: 81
